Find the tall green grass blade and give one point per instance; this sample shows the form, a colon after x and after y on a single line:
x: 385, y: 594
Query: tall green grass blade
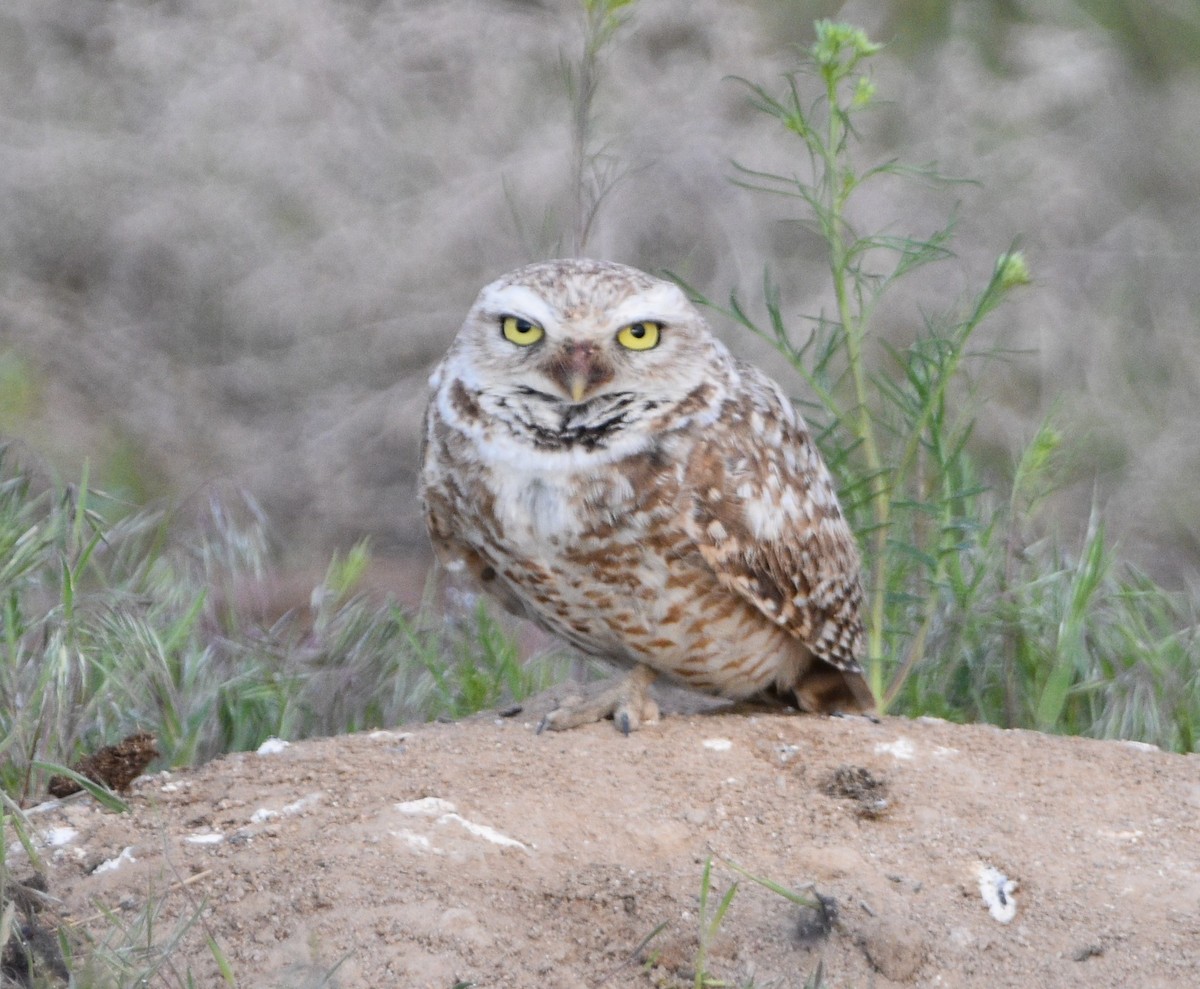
x: 790, y: 895
x: 100, y: 793
x: 12, y: 816
x: 223, y: 965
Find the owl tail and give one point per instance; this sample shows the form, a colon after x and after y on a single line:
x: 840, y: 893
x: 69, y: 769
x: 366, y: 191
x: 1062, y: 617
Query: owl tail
x: 824, y: 689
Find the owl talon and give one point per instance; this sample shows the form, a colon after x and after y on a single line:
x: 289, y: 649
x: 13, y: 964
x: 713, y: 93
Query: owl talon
x: 625, y: 701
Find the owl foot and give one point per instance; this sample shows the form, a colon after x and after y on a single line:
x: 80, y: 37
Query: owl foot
x: 625, y: 700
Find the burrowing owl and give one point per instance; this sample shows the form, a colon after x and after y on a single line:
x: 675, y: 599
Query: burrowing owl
x: 605, y: 467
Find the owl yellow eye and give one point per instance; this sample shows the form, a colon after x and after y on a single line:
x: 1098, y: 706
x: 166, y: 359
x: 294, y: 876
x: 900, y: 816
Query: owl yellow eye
x: 520, y: 331
x: 639, y: 336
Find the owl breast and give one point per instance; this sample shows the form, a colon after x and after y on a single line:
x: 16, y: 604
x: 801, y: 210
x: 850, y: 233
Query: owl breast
x: 601, y: 558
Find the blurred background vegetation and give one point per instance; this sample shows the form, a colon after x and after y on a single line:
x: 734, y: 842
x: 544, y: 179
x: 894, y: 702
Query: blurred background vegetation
x: 235, y: 236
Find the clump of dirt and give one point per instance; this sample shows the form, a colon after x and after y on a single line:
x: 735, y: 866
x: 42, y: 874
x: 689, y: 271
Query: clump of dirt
x: 867, y: 791
x: 29, y: 943
x: 114, y: 766
x: 483, y: 853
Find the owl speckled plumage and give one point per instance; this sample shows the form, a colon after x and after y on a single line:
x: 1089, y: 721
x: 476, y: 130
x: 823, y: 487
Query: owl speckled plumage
x: 606, y: 468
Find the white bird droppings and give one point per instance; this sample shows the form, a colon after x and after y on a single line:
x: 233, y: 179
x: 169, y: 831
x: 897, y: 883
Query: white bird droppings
x: 296, y: 806
x: 264, y: 814
x: 125, y: 857
x: 483, y: 831
x: 57, y: 837
x: 997, y: 892
x: 447, y: 813
x: 426, y: 807
x: 902, y: 748
x: 208, y: 838
x: 416, y: 841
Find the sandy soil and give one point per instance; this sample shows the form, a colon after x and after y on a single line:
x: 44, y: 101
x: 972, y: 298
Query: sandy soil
x: 483, y: 853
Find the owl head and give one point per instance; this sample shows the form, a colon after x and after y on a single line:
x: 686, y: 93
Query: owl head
x: 569, y: 334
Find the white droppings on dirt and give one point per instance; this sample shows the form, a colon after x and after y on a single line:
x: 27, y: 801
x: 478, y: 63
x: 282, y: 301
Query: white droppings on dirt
x: 902, y: 748
x: 303, y: 804
x: 484, y: 831
x: 997, y: 892
x: 447, y: 813
x: 57, y: 837
x: 417, y: 842
x: 207, y: 838
x: 717, y: 744
x: 426, y: 807
x: 108, y: 865
x: 264, y: 814
x: 786, y: 753
x: 272, y: 746
x: 1130, y: 836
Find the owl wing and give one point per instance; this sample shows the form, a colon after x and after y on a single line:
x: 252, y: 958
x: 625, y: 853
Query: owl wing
x: 763, y: 513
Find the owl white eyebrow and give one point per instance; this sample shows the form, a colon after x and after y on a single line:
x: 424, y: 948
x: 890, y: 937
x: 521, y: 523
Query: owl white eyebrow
x: 659, y: 304
x: 516, y: 300
x: 506, y: 314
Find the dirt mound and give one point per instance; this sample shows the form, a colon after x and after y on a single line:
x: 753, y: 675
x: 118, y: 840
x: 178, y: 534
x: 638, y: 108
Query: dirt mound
x: 485, y: 854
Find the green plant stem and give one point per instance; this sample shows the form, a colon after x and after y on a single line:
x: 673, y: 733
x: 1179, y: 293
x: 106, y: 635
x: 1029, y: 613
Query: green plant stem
x: 589, y: 184
x: 837, y: 185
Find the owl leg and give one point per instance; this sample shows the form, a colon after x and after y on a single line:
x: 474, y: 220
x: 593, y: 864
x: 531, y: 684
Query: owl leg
x: 625, y: 700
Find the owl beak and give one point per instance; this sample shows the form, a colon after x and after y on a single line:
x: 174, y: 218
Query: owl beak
x: 578, y: 368
x: 577, y: 384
